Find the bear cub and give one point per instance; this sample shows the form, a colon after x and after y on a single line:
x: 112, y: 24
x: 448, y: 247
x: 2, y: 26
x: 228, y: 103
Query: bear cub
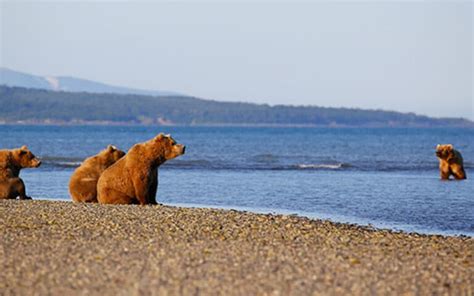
x: 83, y: 182
x: 450, y: 162
x: 134, y: 178
x: 11, y: 162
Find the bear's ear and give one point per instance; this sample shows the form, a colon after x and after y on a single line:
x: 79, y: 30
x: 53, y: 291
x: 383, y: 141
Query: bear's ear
x: 449, y: 147
x: 438, y: 146
x: 23, y: 149
x: 111, y: 148
x: 159, y: 137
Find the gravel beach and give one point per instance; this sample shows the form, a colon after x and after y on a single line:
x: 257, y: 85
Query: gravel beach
x: 62, y: 248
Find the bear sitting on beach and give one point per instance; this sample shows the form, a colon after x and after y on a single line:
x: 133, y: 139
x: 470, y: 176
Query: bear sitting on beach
x: 83, y: 182
x: 134, y: 178
x: 11, y: 162
x: 450, y: 162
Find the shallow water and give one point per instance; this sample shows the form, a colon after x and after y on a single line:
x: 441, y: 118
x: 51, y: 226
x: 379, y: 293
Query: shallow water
x: 384, y: 177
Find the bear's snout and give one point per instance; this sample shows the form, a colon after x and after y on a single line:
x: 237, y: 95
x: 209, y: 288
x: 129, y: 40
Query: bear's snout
x: 179, y: 149
x: 37, y: 163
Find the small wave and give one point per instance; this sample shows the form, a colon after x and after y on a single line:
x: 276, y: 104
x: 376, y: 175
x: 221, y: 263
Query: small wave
x: 321, y: 166
x: 62, y: 162
x: 468, y: 165
x: 68, y: 164
x: 264, y: 158
x: 188, y: 164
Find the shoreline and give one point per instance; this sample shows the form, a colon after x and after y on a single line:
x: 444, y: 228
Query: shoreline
x: 338, y: 219
x: 54, y: 247
x: 222, y: 125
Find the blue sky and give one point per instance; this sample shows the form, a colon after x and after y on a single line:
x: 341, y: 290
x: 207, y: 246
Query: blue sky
x: 404, y: 56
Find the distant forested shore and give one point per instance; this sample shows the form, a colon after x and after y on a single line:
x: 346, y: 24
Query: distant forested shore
x: 34, y: 106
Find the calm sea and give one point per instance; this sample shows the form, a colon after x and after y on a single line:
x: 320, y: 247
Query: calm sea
x: 384, y: 177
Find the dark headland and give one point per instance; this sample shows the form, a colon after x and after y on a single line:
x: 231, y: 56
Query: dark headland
x: 35, y: 106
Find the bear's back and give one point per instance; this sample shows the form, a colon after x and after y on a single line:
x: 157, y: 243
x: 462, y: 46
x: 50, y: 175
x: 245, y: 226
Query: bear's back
x: 5, y: 157
x: 458, y: 157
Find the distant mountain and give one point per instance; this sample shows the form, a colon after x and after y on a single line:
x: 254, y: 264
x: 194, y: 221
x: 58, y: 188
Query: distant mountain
x: 34, y: 106
x: 63, y: 83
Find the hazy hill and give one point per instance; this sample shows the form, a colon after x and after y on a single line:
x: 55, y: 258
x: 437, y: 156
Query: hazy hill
x: 41, y: 106
x: 62, y: 83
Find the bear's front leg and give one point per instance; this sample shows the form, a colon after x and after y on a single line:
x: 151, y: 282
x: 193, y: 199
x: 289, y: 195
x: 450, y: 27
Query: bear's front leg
x: 444, y: 175
x: 17, y: 188
x: 444, y: 170
x: 152, y: 190
x: 145, y: 190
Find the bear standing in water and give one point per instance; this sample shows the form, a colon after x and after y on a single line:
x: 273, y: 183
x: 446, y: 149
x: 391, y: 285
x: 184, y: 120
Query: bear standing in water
x: 83, y: 182
x: 134, y: 178
x: 450, y: 162
x: 11, y: 162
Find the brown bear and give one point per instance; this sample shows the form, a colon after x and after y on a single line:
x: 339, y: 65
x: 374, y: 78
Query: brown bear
x: 83, y: 182
x: 11, y: 162
x: 134, y: 178
x: 450, y: 162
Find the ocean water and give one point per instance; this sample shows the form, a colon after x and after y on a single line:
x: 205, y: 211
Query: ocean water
x: 387, y: 178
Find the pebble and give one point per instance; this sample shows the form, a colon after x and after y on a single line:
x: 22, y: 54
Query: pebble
x: 63, y: 248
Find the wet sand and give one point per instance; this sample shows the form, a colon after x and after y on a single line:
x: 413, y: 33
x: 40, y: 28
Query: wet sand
x: 62, y: 248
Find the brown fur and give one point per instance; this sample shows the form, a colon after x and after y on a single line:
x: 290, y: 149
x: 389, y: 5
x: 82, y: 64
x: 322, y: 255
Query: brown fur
x: 134, y: 178
x: 11, y: 162
x: 450, y: 162
x: 83, y: 182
